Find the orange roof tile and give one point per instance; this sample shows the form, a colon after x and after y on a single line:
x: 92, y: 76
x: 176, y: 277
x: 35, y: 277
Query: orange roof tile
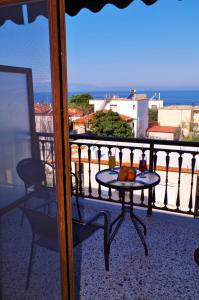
x: 166, y: 129
x: 90, y: 117
x: 76, y: 112
x: 42, y: 108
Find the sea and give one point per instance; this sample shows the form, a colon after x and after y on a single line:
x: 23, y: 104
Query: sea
x: 169, y: 97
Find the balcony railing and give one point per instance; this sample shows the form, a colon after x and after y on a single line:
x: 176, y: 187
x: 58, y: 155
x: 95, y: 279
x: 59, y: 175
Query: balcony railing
x: 176, y: 162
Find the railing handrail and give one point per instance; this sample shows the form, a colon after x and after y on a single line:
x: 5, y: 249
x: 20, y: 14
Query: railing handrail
x: 124, y: 139
x: 148, y: 147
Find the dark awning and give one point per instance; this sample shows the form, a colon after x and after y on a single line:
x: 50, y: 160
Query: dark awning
x: 74, y: 6
x: 39, y: 7
x: 13, y: 13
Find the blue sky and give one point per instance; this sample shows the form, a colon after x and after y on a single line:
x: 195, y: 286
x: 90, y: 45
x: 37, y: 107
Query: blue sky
x: 146, y: 47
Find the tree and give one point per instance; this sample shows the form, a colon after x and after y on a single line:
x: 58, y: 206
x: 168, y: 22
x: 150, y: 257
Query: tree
x: 81, y: 99
x: 153, y: 115
x: 82, y: 102
x: 110, y: 124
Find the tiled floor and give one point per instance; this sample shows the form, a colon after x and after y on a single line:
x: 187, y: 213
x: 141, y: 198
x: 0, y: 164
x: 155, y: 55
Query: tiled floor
x: 169, y: 272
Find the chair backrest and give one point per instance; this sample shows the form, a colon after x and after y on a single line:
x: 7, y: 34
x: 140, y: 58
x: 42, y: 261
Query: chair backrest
x: 31, y: 171
x: 42, y: 224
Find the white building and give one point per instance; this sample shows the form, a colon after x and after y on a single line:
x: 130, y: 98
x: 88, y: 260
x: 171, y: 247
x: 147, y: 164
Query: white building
x: 155, y: 102
x: 135, y: 107
x: 184, y: 116
x: 164, y: 132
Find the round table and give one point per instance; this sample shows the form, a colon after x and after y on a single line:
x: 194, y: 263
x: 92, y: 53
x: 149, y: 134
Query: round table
x: 108, y: 179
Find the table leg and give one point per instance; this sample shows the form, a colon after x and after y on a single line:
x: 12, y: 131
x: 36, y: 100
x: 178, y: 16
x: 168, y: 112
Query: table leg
x: 115, y: 220
x: 140, y: 234
x: 141, y: 223
x: 119, y: 219
x: 136, y: 220
x: 150, y: 196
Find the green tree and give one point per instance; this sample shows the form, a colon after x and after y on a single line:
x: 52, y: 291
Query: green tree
x: 81, y: 99
x: 110, y: 124
x: 82, y: 102
x: 153, y: 115
x: 191, y: 138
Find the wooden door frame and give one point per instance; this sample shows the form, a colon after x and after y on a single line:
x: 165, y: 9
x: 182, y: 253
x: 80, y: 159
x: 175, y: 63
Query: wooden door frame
x: 57, y: 36
x: 61, y: 127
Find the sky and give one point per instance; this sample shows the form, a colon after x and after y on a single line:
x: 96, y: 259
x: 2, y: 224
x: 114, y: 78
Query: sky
x: 142, y: 47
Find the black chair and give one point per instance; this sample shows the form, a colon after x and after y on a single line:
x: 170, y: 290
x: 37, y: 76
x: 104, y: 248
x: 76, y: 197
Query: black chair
x: 45, y: 234
x: 33, y: 173
x: 196, y: 255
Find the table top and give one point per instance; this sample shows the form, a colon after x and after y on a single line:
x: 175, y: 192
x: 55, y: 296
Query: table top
x: 109, y: 179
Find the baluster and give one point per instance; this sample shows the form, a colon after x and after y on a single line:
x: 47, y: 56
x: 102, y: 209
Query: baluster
x: 131, y: 157
x: 52, y: 160
x: 193, y: 162
x: 70, y: 149
x: 109, y: 190
x: 51, y: 151
x: 154, y: 168
x: 99, y: 167
x: 43, y: 150
x: 40, y: 149
x: 166, y: 187
x: 79, y: 170
x: 109, y: 151
x: 179, y: 181
x: 89, y: 170
x: 142, y: 191
x: 143, y: 153
x: 131, y: 162
x: 120, y: 156
x: 142, y: 197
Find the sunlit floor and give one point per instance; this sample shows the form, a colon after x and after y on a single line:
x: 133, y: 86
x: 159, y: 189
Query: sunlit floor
x: 169, y: 272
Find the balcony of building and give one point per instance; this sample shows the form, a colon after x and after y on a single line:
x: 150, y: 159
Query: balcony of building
x: 168, y: 272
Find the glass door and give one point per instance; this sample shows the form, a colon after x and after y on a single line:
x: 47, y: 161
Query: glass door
x: 32, y: 192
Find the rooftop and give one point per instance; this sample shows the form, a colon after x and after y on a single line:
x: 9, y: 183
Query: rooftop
x: 164, y: 129
x: 90, y: 117
x: 75, y: 112
x: 180, y: 107
x: 42, y: 109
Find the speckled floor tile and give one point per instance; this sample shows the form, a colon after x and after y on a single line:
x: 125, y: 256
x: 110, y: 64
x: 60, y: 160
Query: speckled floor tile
x: 168, y: 273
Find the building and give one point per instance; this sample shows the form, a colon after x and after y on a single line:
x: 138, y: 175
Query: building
x: 155, y: 102
x: 184, y: 116
x: 135, y: 106
x: 83, y: 124
x: 163, y: 132
x: 74, y: 114
x: 43, y: 118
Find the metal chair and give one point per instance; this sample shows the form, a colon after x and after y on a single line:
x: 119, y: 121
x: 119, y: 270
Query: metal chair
x: 45, y: 234
x: 196, y: 256
x: 33, y: 173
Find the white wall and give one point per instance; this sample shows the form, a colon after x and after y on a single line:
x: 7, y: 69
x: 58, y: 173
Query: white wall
x: 142, y: 117
x: 156, y: 104
x: 175, y: 117
x: 162, y: 135
x: 44, y: 123
x: 137, y: 110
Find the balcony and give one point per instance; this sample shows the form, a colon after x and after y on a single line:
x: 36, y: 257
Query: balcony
x: 169, y: 272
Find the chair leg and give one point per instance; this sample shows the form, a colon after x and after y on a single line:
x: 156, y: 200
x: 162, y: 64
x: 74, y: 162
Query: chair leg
x: 106, y: 243
x: 23, y: 213
x: 32, y: 252
x: 78, y: 208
